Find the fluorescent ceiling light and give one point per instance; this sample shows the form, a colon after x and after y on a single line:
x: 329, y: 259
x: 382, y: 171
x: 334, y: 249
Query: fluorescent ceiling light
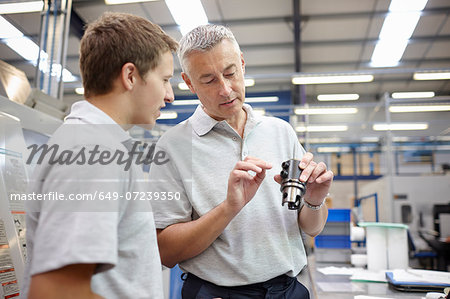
x: 261, y: 99
x: 332, y: 79
x: 443, y: 138
x: 7, y: 30
x: 417, y: 108
x: 338, y: 97
x: 249, y: 82
x: 339, y: 128
x: 333, y: 149
x: 432, y: 76
x: 168, y: 115
x: 183, y: 86
x: 388, y: 54
x: 413, y: 95
x: 310, y: 111
x: 79, y: 90
x: 186, y: 102
x: 408, y: 5
x: 188, y: 14
x: 114, y: 2
x: 21, y: 7
x: 421, y: 140
x: 322, y: 140
x: 397, y: 29
x: 26, y: 48
x: 399, y: 126
x: 370, y: 139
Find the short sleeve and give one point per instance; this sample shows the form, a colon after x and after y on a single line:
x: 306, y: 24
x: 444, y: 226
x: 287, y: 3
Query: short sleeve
x: 78, y: 227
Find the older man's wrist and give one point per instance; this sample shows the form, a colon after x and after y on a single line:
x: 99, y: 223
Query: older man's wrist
x: 316, y: 207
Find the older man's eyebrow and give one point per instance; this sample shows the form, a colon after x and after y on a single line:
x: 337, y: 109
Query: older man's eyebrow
x: 209, y: 75
x: 230, y: 67
x: 206, y: 76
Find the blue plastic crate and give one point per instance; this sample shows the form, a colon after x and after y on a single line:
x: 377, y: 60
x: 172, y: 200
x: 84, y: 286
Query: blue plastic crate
x: 332, y: 241
x: 339, y: 215
x: 336, y: 229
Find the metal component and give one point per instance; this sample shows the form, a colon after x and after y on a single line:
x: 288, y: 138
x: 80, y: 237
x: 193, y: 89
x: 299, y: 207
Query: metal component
x: 292, y: 189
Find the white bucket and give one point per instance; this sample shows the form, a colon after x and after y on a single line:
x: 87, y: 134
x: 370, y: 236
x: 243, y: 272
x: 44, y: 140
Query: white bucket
x: 397, y: 243
x: 387, y: 245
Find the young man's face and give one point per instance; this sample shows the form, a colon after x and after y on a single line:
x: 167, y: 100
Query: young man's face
x: 152, y: 92
x: 217, y: 77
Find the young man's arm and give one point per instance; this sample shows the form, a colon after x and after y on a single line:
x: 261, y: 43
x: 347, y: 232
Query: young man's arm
x: 70, y: 282
x: 182, y: 241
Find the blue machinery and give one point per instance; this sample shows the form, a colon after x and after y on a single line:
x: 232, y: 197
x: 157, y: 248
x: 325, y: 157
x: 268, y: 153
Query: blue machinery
x: 375, y: 196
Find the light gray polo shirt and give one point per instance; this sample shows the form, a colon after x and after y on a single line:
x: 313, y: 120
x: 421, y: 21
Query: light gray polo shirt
x: 263, y: 240
x: 117, y: 235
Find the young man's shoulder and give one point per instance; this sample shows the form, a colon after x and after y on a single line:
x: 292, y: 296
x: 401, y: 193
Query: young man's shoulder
x: 74, y: 135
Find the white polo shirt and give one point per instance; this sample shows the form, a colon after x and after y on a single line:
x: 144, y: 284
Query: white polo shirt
x: 263, y: 240
x: 117, y: 235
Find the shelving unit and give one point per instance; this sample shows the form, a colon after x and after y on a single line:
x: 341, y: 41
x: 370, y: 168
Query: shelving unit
x: 333, y: 244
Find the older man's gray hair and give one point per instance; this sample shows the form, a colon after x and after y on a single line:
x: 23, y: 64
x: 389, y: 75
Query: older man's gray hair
x: 203, y: 38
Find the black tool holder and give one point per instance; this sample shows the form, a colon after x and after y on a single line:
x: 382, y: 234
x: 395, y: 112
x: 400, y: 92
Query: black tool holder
x: 292, y: 189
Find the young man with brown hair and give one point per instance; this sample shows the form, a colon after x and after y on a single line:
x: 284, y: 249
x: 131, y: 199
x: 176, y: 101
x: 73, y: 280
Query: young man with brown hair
x: 105, y: 247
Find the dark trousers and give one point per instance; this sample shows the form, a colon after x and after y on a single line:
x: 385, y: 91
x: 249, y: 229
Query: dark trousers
x: 281, y: 287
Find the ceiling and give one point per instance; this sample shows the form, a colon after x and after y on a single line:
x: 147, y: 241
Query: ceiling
x: 334, y: 37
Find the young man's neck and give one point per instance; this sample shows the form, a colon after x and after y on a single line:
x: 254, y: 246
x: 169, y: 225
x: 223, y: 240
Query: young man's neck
x: 111, y: 104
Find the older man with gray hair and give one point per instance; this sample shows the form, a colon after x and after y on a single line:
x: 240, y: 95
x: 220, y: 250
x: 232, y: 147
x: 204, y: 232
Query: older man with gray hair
x: 228, y: 229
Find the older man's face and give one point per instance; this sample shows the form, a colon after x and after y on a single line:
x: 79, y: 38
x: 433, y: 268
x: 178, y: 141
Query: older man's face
x: 217, y: 77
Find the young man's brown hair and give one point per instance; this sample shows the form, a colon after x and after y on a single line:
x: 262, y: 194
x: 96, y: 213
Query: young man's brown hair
x: 115, y: 39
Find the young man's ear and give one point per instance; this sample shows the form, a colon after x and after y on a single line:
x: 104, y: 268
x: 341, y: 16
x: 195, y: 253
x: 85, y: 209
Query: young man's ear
x: 128, y: 75
x: 187, y: 81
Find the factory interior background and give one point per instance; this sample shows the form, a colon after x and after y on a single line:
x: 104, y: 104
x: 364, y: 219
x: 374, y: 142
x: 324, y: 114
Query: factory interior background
x: 372, y: 102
